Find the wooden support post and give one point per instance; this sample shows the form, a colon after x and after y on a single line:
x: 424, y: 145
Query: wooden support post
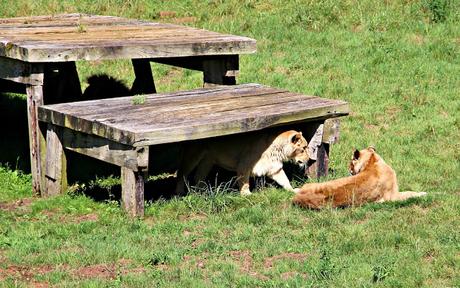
x: 61, y: 83
x: 36, y: 137
x: 325, y: 135
x: 220, y: 71
x: 132, y: 184
x: 55, y: 173
x: 143, y: 84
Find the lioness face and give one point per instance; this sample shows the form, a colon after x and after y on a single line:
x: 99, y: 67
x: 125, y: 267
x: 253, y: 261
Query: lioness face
x: 359, y: 159
x: 299, y: 154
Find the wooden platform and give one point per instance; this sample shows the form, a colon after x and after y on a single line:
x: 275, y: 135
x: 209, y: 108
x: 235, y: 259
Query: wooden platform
x: 71, y: 37
x: 189, y: 115
x: 120, y: 130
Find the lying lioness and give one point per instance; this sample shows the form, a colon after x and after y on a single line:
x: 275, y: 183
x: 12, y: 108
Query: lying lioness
x: 255, y: 154
x: 373, y: 181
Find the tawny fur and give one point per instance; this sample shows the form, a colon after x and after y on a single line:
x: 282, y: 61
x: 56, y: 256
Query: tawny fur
x: 373, y: 181
x: 255, y: 154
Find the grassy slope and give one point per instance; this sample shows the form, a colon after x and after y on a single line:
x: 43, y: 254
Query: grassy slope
x: 397, y: 64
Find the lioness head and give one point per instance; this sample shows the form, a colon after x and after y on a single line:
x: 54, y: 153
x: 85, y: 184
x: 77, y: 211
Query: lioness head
x: 296, y: 148
x: 360, y: 159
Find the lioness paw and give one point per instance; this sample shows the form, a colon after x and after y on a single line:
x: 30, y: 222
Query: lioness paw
x: 245, y: 193
x: 296, y: 190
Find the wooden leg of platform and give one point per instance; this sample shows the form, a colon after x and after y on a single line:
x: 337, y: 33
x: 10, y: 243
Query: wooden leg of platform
x: 132, y: 184
x: 220, y: 71
x: 326, y: 134
x: 143, y: 83
x: 55, y: 172
x: 36, y: 137
x: 132, y: 187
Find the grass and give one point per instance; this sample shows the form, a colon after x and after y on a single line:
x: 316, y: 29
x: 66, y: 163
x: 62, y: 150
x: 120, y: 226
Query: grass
x: 398, y: 65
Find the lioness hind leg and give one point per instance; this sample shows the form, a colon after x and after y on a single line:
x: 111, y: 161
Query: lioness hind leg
x: 190, y: 160
x: 202, y: 171
x: 406, y: 195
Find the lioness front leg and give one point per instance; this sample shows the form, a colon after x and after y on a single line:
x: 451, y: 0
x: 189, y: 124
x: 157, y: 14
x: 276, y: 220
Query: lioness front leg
x: 281, y: 178
x: 243, y: 183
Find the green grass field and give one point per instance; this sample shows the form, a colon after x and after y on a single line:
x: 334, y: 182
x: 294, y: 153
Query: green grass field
x: 398, y: 65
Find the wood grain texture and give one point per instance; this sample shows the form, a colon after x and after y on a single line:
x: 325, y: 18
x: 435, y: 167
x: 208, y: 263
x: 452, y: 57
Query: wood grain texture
x: 132, y: 190
x: 72, y: 37
x: 55, y: 173
x: 101, y: 148
x: 188, y: 115
x: 37, y: 145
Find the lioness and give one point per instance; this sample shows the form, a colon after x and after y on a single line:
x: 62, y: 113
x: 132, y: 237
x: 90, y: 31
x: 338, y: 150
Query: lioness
x: 372, y: 180
x: 255, y: 154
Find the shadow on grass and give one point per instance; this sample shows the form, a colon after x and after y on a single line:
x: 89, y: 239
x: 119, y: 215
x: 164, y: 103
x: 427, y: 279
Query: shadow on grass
x: 14, y: 141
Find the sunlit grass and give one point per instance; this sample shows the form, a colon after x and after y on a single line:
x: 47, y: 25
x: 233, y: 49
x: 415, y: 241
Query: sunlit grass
x: 398, y: 65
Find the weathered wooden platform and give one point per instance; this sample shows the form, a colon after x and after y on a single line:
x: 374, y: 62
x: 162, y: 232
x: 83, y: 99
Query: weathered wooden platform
x: 120, y: 130
x: 71, y: 37
x: 189, y: 115
x: 40, y: 53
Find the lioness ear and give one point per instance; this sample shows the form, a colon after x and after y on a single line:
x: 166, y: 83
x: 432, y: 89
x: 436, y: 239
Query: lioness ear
x: 356, y: 154
x: 296, y: 137
x: 371, y: 148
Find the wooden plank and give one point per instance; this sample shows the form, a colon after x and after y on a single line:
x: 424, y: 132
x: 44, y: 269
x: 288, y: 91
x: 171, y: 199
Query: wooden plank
x: 55, y: 173
x: 213, y: 127
x: 102, y: 149
x: 128, y: 51
x: 20, y: 72
x: 197, y: 62
x: 130, y: 127
x: 83, y: 37
x: 229, y: 111
x: 132, y: 191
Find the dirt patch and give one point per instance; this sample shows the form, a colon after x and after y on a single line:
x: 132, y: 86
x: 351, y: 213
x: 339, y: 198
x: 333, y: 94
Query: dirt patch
x: 21, y: 204
x: 269, y: 262
x: 54, y: 214
x: 107, y: 271
x: 199, y: 261
x: 289, y: 275
x: 104, y: 271
x: 244, y: 259
x: 100, y: 271
x: 24, y: 273
x: 85, y: 218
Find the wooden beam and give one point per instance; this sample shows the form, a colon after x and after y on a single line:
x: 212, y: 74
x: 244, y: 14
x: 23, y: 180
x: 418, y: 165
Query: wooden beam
x: 21, y: 72
x: 102, y: 149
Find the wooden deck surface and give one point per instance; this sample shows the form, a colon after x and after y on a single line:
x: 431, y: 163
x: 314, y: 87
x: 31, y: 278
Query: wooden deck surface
x: 188, y: 115
x: 71, y: 37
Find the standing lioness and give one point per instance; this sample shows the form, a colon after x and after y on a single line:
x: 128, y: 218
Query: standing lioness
x: 255, y: 154
x: 373, y: 180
